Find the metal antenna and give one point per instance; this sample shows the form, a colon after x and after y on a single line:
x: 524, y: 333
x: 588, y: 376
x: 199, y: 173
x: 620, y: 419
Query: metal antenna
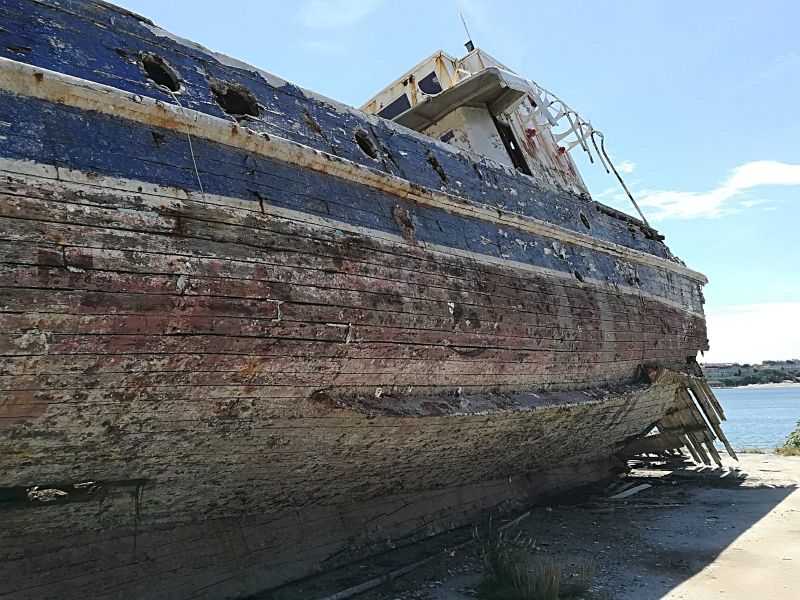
x: 469, y: 45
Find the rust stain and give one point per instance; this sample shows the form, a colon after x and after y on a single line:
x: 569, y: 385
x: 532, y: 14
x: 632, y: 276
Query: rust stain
x: 21, y: 407
x: 252, y: 366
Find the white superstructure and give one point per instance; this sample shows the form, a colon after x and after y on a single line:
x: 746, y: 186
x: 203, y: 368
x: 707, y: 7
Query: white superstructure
x: 479, y: 105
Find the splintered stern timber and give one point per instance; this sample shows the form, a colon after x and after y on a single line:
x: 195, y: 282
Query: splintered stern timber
x: 248, y: 333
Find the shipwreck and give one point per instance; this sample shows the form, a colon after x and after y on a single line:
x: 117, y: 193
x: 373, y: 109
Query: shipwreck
x: 248, y: 333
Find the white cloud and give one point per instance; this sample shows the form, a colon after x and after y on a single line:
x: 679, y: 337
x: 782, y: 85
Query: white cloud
x: 668, y: 204
x: 610, y: 193
x: 335, y: 14
x: 751, y: 333
x: 784, y: 65
x: 626, y: 166
x: 326, y: 47
x: 751, y: 203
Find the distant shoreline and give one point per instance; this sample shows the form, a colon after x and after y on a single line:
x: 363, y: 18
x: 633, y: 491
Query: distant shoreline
x: 758, y: 385
x: 768, y: 385
x: 730, y: 375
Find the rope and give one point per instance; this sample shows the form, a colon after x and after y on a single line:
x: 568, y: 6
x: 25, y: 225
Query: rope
x: 619, y: 178
x: 191, y: 148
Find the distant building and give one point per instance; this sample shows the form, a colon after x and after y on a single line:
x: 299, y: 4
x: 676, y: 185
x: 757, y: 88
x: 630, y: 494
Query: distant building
x: 719, y: 370
x: 782, y: 365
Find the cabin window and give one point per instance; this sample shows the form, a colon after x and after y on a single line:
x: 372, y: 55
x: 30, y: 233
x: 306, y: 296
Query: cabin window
x: 159, y: 71
x: 430, y: 84
x: 512, y: 147
x: 395, y: 108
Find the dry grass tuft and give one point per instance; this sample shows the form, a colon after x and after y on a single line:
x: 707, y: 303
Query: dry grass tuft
x: 517, y: 570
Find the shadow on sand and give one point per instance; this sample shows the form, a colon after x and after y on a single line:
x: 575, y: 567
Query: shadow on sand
x: 643, y: 545
x: 661, y: 546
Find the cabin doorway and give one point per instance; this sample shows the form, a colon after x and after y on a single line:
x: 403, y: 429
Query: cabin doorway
x: 512, y: 146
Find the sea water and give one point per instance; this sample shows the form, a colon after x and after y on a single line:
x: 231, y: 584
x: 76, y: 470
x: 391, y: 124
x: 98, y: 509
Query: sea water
x: 759, y: 417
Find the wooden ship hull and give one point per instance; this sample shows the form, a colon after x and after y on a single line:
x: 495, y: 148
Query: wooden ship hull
x: 237, y: 351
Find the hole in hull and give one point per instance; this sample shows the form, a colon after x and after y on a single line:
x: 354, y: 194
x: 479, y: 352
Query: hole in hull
x: 160, y: 72
x: 234, y: 99
x: 365, y: 143
x: 312, y: 123
x: 437, y: 166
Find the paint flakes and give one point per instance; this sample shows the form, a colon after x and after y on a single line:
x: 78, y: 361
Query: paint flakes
x: 45, y: 495
x: 560, y: 250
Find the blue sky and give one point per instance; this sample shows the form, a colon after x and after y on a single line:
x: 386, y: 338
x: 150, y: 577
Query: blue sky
x: 698, y: 101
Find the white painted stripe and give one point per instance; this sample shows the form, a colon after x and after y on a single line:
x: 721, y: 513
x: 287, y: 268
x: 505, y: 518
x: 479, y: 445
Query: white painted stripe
x: 49, y: 85
x: 51, y: 177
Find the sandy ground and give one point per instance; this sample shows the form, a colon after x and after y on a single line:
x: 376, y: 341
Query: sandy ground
x: 764, y: 561
x: 694, y: 534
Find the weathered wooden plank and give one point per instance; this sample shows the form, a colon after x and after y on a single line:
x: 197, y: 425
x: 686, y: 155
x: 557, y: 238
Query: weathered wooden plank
x: 247, y: 253
x: 263, y: 305
x: 139, y: 209
x: 279, y: 326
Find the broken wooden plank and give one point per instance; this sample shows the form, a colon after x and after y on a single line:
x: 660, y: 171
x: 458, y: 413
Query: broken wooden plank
x: 630, y: 492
